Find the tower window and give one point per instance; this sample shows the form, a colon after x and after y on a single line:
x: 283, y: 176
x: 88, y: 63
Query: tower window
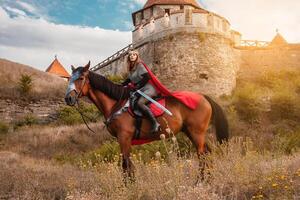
x: 181, y: 7
x: 167, y: 11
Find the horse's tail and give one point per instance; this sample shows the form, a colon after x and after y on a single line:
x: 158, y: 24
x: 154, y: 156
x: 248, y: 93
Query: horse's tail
x: 219, y: 120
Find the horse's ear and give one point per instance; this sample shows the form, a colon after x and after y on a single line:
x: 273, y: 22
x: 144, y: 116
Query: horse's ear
x: 87, y: 66
x: 72, y: 67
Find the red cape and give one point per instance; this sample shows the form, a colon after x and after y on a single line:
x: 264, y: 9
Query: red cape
x: 190, y: 99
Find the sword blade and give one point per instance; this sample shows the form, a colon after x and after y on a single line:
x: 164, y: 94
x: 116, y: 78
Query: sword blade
x: 155, y: 102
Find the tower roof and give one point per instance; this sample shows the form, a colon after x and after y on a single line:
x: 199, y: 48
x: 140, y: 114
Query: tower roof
x: 57, y: 68
x: 150, y: 3
x: 278, y: 40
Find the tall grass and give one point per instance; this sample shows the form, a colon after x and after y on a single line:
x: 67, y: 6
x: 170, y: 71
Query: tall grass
x: 234, y: 171
x: 26, y: 178
x: 51, y: 142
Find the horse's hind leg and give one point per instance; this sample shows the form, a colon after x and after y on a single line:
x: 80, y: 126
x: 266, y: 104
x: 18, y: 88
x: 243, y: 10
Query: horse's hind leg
x: 196, y: 129
x: 198, y: 139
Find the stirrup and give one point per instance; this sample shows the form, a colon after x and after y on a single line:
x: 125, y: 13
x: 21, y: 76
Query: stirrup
x: 156, y: 128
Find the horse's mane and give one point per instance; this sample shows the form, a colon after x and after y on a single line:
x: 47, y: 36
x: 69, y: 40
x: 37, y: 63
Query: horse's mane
x: 109, y: 88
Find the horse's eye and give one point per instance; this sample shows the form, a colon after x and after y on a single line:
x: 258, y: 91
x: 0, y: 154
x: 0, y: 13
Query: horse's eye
x: 81, y: 78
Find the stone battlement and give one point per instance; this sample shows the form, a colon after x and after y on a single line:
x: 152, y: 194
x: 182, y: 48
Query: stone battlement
x: 187, y: 20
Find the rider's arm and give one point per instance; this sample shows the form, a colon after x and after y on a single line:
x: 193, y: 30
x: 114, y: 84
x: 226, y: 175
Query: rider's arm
x: 143, y: 74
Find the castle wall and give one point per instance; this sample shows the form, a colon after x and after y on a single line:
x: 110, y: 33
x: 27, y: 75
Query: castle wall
x: 191, y: 61
x: 176, y: 22
x: 279, y: 57
x: 196, y: 62
x: 160, y: 10
x: 117, y: 67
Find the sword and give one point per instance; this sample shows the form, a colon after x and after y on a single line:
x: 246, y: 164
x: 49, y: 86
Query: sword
x: 155, y: 102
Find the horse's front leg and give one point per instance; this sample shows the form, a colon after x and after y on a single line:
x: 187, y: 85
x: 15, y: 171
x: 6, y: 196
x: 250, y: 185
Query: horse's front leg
x: 124, y: 140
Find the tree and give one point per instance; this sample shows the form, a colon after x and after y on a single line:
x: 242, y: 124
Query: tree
x: 25, y: 84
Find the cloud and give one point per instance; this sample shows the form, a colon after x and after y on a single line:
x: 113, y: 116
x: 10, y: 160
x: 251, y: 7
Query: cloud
x: 257, y: 19
x: 15, y: 11
x: 140, y: 2
x: 28, y: 7
x: 35, y: 41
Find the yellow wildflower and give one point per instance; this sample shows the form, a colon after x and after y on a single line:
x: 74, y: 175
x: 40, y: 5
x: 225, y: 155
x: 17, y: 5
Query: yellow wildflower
x: 274, y: 185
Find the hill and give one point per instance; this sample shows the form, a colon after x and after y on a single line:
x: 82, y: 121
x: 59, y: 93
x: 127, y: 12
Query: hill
x: 45, y: 85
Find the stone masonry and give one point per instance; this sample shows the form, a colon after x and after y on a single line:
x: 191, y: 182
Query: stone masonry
x: 43, y: 110
x: 197, y: 62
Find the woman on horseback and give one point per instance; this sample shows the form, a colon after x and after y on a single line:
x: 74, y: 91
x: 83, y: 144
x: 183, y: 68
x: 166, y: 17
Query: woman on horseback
x: 139, y: 78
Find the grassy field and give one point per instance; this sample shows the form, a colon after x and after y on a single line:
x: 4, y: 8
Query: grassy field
x: 261, y: 160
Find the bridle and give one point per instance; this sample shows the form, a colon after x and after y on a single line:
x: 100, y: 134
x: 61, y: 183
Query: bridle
x: 78, y: 95
x: 110, y: 117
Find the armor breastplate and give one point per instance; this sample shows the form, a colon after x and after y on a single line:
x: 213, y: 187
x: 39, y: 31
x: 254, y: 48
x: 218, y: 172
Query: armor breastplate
x: 135, y: 76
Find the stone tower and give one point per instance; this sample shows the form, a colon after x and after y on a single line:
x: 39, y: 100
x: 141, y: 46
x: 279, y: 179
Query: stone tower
x: 187, y: 47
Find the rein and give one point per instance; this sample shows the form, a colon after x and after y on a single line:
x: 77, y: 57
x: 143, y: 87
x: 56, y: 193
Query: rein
x: 82, y: 116
x: 77, y: 108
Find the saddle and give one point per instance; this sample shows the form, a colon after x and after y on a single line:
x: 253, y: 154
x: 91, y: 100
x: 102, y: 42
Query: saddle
x: 134, y: 111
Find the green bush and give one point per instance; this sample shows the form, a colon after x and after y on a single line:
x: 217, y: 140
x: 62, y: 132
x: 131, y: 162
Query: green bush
x: 275, y: 78
x: 267, y: 79
x: 286, y: 141
x: 25, y: 84
x: 284, y: 102
x: 3, y: 128
x: 28, y: 120
x: 247, y: 102
x: 115, y: 78
x: 69, y: 115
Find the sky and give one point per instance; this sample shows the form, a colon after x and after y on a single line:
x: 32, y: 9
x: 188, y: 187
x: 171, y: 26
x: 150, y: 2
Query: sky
x: 32, y: 32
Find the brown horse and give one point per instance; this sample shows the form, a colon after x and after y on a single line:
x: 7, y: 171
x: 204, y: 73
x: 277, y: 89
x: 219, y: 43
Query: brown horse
x: 107, y: 97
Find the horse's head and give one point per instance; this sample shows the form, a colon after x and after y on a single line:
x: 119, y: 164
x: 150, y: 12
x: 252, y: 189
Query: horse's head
x: 78, y: 84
